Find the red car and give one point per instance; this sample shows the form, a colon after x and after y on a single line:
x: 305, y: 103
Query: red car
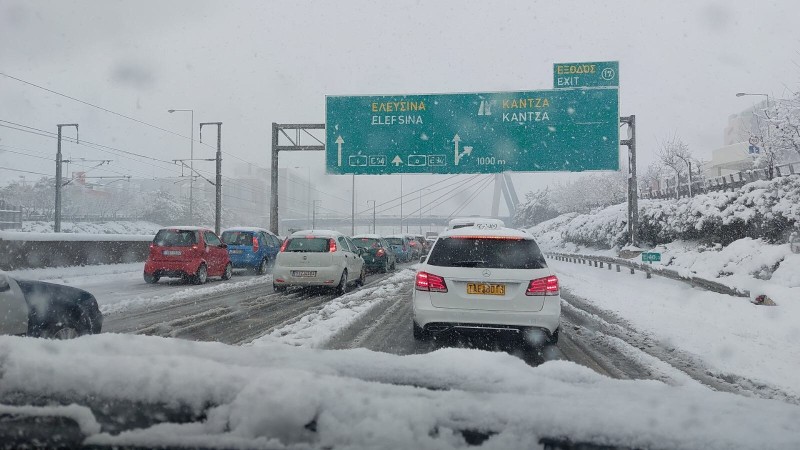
x: 191, y: 253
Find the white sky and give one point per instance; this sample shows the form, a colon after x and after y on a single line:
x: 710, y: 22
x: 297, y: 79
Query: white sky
x: 251, y: 63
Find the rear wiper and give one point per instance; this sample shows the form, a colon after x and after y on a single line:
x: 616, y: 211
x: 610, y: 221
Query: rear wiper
x: 468, y: 263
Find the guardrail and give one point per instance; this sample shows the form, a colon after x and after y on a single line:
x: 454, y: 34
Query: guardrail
x: 37, y: 250
x: 10, y: 216
x: 602, y: 262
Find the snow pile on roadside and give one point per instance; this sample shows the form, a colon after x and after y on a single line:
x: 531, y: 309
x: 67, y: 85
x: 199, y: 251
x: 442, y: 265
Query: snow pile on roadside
x: 109, y: 227
x: 66, y: 274
x: 280, y: 396
x: 318, y: 327
x: 733, y: 338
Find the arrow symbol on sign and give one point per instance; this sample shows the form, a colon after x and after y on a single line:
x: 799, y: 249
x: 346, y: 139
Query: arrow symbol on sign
x: 339, y: 141
x: 456, y: 140
x: 397, y: 160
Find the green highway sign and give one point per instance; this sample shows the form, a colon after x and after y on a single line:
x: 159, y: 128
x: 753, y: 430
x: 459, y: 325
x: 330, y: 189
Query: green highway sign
x: 586, y: 74
x: 651, y: 257
x: 528, y: 131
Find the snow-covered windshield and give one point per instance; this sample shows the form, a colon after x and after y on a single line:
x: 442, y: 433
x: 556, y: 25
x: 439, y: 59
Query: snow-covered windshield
x: 433, y: 224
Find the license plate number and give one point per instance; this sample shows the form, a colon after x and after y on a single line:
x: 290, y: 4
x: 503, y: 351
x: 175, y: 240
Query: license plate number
x: 304, y: 273
x: 172, y: 252
x: 236, y: 252
x: 486, y: 289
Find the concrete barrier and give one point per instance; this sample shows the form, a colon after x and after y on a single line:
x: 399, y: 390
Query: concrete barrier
x: 20, y: 250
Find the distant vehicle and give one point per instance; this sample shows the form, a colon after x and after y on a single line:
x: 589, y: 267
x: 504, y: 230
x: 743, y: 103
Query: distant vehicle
x: 431, y: 235
x: 190, y: 253
x: 487, y: 280
x: 39, y: 309
x: 401, y: 246
x: 251, y: 248
x: 422, y: 243
x: 475, y: 221
x: 318, y: 258
x: 416, y: 247
x: 378, y: 254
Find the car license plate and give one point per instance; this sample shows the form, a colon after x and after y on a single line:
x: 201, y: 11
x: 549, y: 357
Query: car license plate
x: 172, y: 252
x: 304, y: 273
x: 236, y: 252
x: 486, y: 289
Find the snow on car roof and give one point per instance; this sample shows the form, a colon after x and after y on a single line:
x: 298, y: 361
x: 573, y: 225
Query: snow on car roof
x: 368, y: 236
x: 187, y: 228
x: 316, y: 233
x: 397, y: 236
x: 257, y: 229
x: 479, y: 231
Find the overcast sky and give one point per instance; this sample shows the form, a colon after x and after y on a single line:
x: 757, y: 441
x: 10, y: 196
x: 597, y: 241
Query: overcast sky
x: 251, y: 63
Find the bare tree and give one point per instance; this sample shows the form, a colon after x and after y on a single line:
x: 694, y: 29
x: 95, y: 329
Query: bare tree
x: 674, y: 154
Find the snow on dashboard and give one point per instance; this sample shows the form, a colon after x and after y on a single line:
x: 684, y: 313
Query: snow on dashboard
x: 278, y: 395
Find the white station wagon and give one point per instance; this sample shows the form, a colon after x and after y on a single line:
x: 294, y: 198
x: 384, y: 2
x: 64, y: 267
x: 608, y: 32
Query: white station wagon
x: 487, y: 278
x: 318, y: 258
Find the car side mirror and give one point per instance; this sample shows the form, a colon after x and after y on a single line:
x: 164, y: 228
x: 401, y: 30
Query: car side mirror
x: 4, y: 285
x: 422, y: 259
x: 361, y: 251
x: 223, y: 245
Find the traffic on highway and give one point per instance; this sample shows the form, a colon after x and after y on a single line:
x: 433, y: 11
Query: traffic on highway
x: 399, y: 225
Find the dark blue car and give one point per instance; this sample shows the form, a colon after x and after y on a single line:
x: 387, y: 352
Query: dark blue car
x: 251, y: 248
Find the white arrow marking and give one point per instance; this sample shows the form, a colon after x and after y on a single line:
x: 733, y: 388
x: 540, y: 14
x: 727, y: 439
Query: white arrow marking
x: 397, y: 161
x: 339, y: 142
x: 456, y: 140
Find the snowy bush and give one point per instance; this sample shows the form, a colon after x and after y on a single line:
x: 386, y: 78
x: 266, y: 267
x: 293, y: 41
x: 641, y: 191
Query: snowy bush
x: 760, y: 210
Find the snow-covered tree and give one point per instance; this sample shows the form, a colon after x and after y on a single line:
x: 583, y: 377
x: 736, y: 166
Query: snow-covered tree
x: 674, y: 155
x: 537, y: 208
x: 780, y: 132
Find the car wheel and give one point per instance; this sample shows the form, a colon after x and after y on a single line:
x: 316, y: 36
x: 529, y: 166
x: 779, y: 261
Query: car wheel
x: 362, y: 279
x: 420, y: 334
x: 262, y: 268
x: 201, y: 276
x: 341, y: 289
x: 66, y: 328
x: 228, y: 274
x: 277, y: 288
x: 151, y: 278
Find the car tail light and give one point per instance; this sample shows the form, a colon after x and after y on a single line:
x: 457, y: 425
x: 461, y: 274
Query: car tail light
x: 283, y: 246
x: 255, y: 244
x: 430, y: 282
x: 331, y: 245
x: 543, y: 286
x: 380, y: 252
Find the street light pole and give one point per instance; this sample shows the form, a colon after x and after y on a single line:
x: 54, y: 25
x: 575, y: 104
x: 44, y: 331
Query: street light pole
x: 373, y: 215
x: 218, y: 184
x: 353, y: 209
x: 191, y: 163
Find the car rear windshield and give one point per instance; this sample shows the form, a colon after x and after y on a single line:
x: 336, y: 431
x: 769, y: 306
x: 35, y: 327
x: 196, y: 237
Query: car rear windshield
x: 175, y: 238
x: 489, y: 253
x: 317, y: 245
x: 366, y: 242
x: 237, y: 238
x: 394, y: 241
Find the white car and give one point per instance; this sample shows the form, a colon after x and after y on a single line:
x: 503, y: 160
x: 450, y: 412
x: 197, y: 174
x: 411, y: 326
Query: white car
x: 487, y: 278
x: 318, y: 258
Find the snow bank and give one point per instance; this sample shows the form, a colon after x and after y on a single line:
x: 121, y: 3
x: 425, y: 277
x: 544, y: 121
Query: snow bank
x: 731, y: 336
x: 277, y: 395
x: 108, y: 227
x: 72, y: 237
x: 318, y: 327
x: 66, y: 274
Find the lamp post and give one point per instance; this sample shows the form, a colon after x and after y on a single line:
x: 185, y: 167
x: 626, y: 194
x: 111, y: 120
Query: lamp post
x: 191, y: 162
x: 353, y: 209
x: 373, y: 216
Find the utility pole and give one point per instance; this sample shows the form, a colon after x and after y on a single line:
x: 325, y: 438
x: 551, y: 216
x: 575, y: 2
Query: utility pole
x: 218, y: 181
x: 57, y: 213
x: 353, y: 211
x: 633, y: 190
x: 314, y: 215
x: 373, y: 215
x: 401, y: 203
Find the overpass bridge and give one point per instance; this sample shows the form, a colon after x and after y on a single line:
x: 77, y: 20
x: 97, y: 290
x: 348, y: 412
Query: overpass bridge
x: 382, y: 222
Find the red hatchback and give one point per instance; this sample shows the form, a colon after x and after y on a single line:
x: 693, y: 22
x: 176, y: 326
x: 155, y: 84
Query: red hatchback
x: 191, y: 253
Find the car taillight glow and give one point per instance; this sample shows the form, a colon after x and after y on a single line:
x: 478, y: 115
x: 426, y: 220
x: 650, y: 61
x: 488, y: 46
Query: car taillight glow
x: 543, y: 286
x: 331, y: 245
x: 430, y: 282
x: 255, y: 244
x: 283, y: 246
x: 380, y: 252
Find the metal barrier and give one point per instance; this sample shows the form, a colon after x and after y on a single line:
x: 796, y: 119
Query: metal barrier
x: 649, y: 270
x: 10, y: 217
x: 19, y: 253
